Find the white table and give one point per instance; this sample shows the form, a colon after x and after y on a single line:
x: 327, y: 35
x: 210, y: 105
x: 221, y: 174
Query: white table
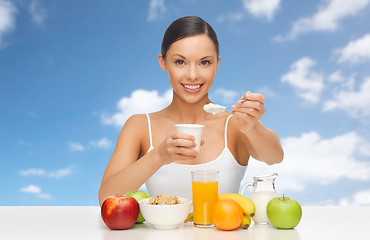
x: 85, y: 223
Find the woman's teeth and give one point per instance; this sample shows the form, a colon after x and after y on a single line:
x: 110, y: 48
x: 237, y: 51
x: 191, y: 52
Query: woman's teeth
x: 192, y: 87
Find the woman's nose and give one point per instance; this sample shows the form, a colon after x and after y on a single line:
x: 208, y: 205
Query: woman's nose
x: 193, y: 73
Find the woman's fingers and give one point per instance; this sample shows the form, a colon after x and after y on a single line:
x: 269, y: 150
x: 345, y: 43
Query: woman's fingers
x: 251, y: 104
x: 248, y: 110
x: 181, y: 144
x: 186, y: 151
x: 176, y: 135
x: 253, y: 109
x: 241, y: 112
x: 246, y: 116
x: 183, y: 140
x: 254, y: 97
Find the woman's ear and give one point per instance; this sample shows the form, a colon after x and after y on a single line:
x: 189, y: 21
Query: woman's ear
x: 162, y: 62
x: 218, y: 62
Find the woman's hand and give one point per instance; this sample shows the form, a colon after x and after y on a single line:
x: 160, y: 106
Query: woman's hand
x: 177, y: 146
x: 248, y: 110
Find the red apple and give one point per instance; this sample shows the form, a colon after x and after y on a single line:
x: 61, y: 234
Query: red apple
x: 138, y: 195
x: 120, y: 212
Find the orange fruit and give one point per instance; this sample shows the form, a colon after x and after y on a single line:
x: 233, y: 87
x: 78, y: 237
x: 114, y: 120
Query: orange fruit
x: 227, y: 214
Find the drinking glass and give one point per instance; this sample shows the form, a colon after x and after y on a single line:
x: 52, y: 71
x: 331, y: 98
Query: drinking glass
x: 205, y: 194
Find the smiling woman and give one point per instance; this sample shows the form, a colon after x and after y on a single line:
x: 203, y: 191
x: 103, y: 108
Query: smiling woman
x: 149, y: 149
x: 191, y: 64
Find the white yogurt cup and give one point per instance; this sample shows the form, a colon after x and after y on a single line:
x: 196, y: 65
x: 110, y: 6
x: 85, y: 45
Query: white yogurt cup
x: 193, y: 129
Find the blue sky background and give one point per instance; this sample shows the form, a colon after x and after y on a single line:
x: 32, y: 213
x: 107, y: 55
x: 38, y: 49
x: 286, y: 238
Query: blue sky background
x: 72, y: 71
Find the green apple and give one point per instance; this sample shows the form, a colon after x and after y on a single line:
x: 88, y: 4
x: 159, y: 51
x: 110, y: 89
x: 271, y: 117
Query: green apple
x: 284, y: 212
x: 138, y: 195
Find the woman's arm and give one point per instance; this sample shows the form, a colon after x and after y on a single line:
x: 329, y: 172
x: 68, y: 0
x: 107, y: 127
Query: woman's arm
x: 262, y: 143
x: 127, y: 171
x: 265, y: 144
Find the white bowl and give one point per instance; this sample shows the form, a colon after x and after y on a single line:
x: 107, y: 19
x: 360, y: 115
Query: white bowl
x: 165, y: 216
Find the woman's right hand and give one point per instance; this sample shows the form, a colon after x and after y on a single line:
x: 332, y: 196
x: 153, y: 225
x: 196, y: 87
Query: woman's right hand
x: 177, y: 146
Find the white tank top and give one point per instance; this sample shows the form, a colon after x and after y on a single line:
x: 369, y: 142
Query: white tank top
x: 175, y: 179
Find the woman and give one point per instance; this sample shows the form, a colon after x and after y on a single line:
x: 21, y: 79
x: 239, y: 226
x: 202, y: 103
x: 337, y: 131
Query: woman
x: 150, y: 151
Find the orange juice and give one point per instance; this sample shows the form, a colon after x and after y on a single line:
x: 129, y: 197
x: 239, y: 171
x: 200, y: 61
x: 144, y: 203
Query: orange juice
x: 205, y: 195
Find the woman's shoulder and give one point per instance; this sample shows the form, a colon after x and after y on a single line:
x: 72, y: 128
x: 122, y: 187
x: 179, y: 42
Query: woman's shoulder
x: 135, y: 127
x: 233, y: 131
x: 136, y: 123
x: 136, y: 120
x: 137, y: 117
x: 233, y: 123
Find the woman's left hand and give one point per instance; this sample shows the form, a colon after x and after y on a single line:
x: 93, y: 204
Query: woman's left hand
x: 248, y: 112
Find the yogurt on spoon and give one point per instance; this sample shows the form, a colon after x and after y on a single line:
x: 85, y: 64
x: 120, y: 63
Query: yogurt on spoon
x: 213, y: 108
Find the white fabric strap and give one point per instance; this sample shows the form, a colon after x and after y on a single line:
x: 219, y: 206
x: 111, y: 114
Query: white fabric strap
x: 227, y: 120
x: 150, y: 131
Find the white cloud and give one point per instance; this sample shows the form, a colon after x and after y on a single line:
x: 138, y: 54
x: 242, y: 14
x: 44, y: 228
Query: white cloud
x: 339, y: 81
x: 356, y: 103
x: 37, y: 12
x: 307, y: 83
x: 360, y: 198
x: 227, y: 96
x: 44, y: 196
x: 60, y: 173
x: 76, y: 147
x: 103, y: 143
x: 262, y: 8
x: 310, y: 159
x: 336, y: 77
x: 356, y: 51
x: 33, y: 189
x: 326, y: 19
x: 156, y: 9
x: 7, y: 18
x: 140, y: 101
x: 344, y: 93
x: 32, y: 172
x: 231, y: 17
x: 42, y: 173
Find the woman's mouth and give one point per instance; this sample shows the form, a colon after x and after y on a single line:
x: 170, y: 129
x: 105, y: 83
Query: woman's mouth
x: 192, y: 87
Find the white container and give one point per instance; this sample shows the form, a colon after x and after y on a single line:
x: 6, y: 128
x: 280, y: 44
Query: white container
x: 193, y: 129
x: 165, y: 216
x: 260, y: 200
x: 263, y: 192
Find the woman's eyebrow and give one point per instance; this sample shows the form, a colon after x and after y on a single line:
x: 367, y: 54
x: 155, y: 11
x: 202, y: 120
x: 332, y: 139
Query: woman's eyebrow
x: 176, y: 54
x: 206, y: 57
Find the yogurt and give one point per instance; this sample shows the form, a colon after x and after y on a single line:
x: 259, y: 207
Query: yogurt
x: 213, y: 108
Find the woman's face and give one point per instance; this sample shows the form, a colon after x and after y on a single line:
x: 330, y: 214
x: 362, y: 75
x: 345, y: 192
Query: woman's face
x: 191, y: 64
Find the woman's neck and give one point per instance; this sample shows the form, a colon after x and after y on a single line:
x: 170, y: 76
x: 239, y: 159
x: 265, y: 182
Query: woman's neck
x: 185, y: 112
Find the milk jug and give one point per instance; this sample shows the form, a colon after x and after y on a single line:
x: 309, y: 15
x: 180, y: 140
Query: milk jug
x: 263, y: 192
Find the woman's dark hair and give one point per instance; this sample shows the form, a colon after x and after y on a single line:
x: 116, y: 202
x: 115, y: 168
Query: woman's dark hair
x: 187, y: 27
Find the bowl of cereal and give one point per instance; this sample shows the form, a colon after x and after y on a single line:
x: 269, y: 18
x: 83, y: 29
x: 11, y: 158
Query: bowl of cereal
x: 164, y: 211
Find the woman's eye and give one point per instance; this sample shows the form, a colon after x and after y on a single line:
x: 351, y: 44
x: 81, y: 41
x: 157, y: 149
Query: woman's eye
x: 204, y: 62
x: 180, y: 62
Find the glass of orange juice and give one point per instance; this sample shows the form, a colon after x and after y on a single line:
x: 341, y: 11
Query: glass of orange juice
x: 205, y: 194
